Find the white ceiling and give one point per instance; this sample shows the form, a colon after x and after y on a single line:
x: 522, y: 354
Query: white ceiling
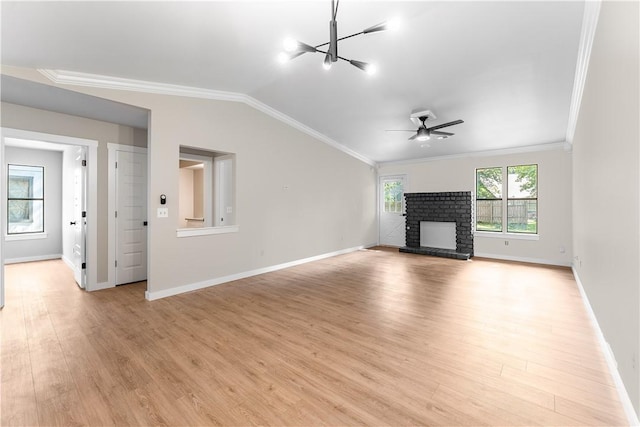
x: 505, y: 68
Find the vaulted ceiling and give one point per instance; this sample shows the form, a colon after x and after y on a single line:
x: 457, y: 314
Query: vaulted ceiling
x: 505, y: 68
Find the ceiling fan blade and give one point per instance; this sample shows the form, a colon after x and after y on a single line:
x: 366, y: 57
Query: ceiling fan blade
x: 444, y: 125
x: 400, y: 130
x: 411, y: 138
x: 437, y: 132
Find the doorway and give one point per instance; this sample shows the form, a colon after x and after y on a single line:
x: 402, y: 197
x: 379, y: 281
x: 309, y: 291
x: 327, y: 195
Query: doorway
x: 87, y: 184
x: 392, y: 210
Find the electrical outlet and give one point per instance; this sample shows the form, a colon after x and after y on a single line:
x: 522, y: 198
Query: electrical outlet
x: 163, y: 212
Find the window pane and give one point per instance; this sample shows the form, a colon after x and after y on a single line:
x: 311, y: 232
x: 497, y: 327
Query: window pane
x: 25, y: 182
x: 522, y: 216
x: 489, y: 183
x: 393, y: 196
x: 25, y: 216
x: 489, y: 215
x: 522, y: 182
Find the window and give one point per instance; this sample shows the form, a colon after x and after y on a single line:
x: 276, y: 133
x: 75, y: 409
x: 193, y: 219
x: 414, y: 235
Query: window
x: 25, y: 199
x: 393, y: 196
x: 206, y: 190
x: 489, y: 199
x: 519, y: 208
x: 522, y: 202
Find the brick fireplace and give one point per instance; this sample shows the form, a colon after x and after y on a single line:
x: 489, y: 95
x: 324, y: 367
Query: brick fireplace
x: 440, y: 207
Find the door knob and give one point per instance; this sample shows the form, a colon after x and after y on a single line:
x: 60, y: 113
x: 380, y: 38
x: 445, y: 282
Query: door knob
x: 72, y: 223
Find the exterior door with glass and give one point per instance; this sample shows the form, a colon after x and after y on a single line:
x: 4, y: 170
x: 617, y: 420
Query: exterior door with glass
x: 392, y: 220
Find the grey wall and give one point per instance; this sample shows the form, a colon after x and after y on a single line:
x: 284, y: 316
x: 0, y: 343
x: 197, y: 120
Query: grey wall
x: 20, y: 117
x: 554, y: 199
x: 51, y: 246
x: 296, y: 197
x: 606, y: 211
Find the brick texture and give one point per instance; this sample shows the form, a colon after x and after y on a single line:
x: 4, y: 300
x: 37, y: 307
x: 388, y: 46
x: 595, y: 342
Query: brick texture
x: 443, y: 207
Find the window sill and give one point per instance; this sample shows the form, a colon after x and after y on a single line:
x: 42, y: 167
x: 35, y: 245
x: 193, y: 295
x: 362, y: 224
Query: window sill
x: 206, y: 231
x: 26, y: 236
x: 503, y: 235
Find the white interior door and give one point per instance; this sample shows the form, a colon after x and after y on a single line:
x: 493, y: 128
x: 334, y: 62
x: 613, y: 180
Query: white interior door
x: 79, y: 222
x: 224, y: 191
x: 131, y: 217
x: 392, y: 221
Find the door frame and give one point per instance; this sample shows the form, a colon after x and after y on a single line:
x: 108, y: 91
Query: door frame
x: 92, y: 201
x: 112, y: 148
x: 379, y: 201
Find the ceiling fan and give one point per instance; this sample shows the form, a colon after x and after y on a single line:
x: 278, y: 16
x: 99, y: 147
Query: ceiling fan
x: 424, y: 133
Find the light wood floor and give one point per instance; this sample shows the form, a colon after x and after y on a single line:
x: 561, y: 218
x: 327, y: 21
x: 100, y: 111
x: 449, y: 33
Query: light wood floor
x: 369, y: 338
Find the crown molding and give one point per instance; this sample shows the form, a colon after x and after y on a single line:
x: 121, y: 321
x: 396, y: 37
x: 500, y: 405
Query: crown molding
x: 488, y: 153
x: 587, y: 34
x: 64, y: 77
x: 107, y: 82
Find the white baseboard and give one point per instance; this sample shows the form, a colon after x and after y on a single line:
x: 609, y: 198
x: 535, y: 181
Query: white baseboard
x: 220, y: 280
x: 68, y: 262
x: 522, y: 259
x: 32, y: 258
x: 100, y: 286
x: 632, y: 417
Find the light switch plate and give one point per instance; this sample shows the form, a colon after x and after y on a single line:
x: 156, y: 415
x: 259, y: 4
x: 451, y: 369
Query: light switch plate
x: 163, y: 212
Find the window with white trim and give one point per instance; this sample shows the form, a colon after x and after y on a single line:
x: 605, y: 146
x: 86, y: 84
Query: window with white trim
x: 25, y: 199
x: 507, y: 199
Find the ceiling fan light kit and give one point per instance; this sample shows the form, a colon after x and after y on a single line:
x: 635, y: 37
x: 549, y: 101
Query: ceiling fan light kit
x: 425, y: 133
x: 294, y: 48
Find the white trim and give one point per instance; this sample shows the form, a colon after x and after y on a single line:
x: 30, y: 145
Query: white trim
x: 107, y: 82
x: 26, y: 236
x: 129, y: 148
x: 522, y: 259
x: 32, y: 258
x: 632, y: 417
x: 111, y: 206
x: 102, y: 285
x: 587, y: 34
x: 506, y: 236
x: 68, y: 262
x: 47, y: 137
x: 206, y: 231
x: 92, y: 191
x: 486, y: 153
x: 220, y: 280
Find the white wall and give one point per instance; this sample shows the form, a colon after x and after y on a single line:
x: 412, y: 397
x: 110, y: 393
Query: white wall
x: 554, y: 199
x: 51, y: 246
x: 606, y: 211
x: 296, y: 196
x: 20, y: 117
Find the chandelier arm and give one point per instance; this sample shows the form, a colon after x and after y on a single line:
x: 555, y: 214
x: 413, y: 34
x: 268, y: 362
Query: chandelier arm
x: 341, y: 38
